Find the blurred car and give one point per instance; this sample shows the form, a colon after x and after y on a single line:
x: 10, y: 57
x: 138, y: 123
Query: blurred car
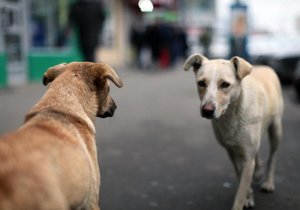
x: 278, y: 51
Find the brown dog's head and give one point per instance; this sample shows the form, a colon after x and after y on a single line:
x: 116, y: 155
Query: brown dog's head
x: 87, y: 81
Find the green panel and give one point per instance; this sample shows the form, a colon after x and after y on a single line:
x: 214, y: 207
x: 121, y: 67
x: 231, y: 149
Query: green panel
x: 3, y: 70
x: 38, y: 63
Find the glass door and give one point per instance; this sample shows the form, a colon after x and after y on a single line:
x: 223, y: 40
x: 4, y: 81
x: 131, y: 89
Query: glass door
x: 13, y: 39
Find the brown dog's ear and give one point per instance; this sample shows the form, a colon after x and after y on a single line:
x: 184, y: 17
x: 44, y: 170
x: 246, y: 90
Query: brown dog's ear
x: 53, y: 72
x: 195, y: 60
x: 110, y: 74
x: 243, y: 68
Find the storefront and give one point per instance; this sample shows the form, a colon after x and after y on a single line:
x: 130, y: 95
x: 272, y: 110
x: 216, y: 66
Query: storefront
x: 36, y: 34
x: 51, y: 39
x: 32, y: 39
x: 13, y: 31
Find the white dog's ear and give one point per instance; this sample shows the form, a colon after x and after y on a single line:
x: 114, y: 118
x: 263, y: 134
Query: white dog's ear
x: 243, y: 68
x: 195, y: 61
x: 110, y: 73
x: 53, y: 72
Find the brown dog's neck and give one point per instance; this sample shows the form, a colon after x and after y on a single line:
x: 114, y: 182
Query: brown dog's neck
x: 63, y: 117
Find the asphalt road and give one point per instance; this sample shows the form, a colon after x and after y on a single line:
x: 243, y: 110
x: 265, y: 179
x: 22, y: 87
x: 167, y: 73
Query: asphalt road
x: 156, y: 153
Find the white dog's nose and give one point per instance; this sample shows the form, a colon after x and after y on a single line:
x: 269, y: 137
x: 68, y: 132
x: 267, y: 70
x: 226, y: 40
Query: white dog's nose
x: 208, y: 110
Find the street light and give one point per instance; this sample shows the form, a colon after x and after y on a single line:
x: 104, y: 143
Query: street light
x: 145, y: 5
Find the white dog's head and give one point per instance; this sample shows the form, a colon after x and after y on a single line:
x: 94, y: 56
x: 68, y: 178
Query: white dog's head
x: 218, y: 82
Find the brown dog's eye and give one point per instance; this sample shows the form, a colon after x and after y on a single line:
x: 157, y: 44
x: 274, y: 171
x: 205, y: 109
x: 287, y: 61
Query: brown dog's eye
x: 202, y: 84
x: 224, y: 85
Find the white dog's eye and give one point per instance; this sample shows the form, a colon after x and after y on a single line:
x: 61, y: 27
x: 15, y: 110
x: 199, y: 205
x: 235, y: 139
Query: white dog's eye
x: 201, y: 83
x: 224, y: 85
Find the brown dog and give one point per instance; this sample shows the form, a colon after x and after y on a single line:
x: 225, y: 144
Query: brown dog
x: 51, y: 161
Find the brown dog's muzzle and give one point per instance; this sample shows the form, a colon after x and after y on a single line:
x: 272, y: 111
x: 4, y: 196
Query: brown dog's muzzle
x: 110, y: 111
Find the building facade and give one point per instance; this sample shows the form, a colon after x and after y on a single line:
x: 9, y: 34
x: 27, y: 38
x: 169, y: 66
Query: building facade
x: 35, y: 34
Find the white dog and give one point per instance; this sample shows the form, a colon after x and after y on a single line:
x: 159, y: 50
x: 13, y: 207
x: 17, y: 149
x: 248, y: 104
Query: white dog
x: 242, y: 101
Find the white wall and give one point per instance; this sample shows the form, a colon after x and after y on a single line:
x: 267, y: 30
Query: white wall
x: 279, y: 16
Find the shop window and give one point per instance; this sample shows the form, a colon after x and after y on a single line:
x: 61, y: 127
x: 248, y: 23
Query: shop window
x: 49, y: 23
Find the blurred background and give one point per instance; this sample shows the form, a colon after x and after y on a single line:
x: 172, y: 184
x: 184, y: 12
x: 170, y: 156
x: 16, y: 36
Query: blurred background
x: 35, y: 34
x: 156, y: 152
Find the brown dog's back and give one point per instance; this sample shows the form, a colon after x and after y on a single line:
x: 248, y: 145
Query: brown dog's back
x: 32, y: 163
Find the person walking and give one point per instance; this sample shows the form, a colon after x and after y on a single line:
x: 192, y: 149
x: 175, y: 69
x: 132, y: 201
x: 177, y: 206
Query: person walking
x: 88, y: 17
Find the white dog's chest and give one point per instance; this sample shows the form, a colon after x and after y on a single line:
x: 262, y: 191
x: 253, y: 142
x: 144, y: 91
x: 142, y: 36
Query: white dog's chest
x: 227, y: 133
x: 233, y: 132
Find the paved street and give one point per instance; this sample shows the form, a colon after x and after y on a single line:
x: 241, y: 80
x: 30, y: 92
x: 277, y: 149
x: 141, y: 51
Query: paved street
x: 156, y: 153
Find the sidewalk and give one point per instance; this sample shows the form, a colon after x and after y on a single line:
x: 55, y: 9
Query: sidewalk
x: 157, y: 153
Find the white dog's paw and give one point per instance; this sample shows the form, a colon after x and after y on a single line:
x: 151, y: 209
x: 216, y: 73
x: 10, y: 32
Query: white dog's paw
x: 249, y: 202
x: 268, y: 186
x: 258, y: 176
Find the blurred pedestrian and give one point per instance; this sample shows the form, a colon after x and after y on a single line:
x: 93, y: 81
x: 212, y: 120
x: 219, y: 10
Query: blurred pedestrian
x: 139, y: 43
x: 238, y: 39
x: 165, y: 41
x: 87, y: 16
x: 205, y: 40
x: 154, y: 43
x: 179, y: 46
x: 238, y: 47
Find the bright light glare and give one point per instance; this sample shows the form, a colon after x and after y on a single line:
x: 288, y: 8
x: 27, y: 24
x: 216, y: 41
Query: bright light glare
x: 145, y: 5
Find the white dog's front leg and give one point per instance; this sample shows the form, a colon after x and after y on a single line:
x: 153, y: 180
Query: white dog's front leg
x: 244, y: 185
